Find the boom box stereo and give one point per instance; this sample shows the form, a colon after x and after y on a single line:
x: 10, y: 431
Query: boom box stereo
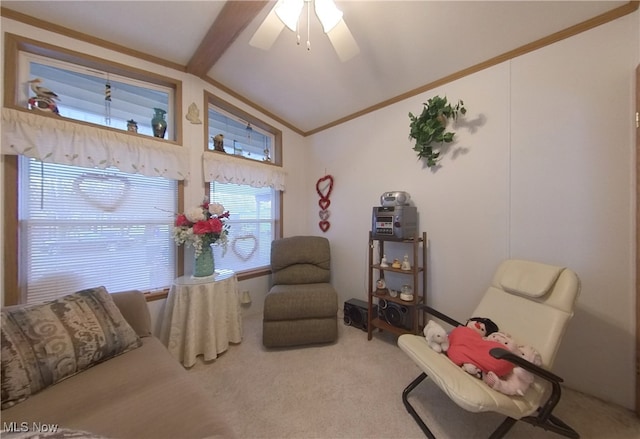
x: 400, y: 222
x: 355, y: 313
x: 395, y: 314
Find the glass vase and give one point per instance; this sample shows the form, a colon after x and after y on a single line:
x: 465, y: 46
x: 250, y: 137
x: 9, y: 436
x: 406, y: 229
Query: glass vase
x: 204, y: 265
x: 159, y: 123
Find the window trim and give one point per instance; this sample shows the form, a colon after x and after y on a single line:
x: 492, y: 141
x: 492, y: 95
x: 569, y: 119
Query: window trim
x: 211, y: 99
x: 14, y: 44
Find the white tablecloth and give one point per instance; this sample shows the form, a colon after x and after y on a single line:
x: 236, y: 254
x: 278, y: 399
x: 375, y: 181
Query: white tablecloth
x: 202, y: 316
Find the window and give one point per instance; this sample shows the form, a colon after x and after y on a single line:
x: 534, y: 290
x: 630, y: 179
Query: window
x: 255, y: 208
x: 98, y: 97
x: 87, y: 206
x: 252, y: 224
x: 88, y: 227
x: 239, y: 137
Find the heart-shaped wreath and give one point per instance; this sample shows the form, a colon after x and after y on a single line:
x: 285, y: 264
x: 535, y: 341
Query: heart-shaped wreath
x: 324, y: 186
x: 244, y: 247
x: 106, y: 192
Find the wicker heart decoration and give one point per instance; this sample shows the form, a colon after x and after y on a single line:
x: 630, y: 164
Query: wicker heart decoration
x: 106, y: 192
x: 324, y: 186
x: 324, y: 225
x: 244, y: 246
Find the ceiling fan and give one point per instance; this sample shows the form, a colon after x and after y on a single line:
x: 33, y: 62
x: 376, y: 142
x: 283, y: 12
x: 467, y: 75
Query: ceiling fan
x: 288, y: 12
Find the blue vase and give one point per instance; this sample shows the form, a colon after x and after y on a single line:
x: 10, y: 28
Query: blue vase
x: 158, y: 123
x: 204, y: 265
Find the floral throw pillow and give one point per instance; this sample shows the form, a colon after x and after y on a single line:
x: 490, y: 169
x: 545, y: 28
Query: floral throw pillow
x: 46, y: 343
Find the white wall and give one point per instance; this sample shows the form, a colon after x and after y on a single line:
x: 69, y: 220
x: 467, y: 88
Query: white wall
x: 542, y: 169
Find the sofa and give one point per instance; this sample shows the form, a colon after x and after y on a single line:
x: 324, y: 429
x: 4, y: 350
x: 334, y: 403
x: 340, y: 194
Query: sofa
x: 136, y: 390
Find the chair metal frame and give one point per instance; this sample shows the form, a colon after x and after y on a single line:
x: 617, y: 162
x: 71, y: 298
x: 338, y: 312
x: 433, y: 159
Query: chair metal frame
x: 544, y: 419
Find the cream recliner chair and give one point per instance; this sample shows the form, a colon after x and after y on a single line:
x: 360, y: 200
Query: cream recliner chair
x: 531, y: 301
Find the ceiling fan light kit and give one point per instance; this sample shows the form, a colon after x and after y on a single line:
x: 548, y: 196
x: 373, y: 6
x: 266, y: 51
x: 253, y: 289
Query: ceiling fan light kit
x: 288, y: 12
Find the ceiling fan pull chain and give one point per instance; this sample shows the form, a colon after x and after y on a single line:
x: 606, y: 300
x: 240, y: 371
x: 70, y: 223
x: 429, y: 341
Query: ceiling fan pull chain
x: 298, y: 31
x: 308, y: 26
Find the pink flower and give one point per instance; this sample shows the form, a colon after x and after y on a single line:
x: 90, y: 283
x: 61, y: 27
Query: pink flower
x: 213, y: 225
x: 182, y: 220
x: 201, y: 227
x: 216, y: 225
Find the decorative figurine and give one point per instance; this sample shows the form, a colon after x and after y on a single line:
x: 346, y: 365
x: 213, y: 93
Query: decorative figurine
x: 193, y: 114
x: 406, y: 293
x: 383, y: 262
x: 405, y: 263
x: 218, y: 143
x: 396, y: 264
x: 132, y: 126
x: 381, y: 284
x: 44, y: 99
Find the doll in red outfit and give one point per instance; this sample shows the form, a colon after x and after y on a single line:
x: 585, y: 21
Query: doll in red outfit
x: 469, y: 348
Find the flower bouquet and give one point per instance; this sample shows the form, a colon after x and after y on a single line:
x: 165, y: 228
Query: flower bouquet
x: 200, y: 227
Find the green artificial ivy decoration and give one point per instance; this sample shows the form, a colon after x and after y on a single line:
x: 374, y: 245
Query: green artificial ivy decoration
x: 429, y: 129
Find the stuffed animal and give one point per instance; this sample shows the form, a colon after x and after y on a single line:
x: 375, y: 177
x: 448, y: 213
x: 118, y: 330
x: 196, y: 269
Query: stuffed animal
x: 470, y: 350
x: 436, y: 336
x: 483, y: 325
x: 504, y: 339
x: 519, y: 380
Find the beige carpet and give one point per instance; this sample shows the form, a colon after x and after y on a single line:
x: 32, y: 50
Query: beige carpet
x: 352, y: 389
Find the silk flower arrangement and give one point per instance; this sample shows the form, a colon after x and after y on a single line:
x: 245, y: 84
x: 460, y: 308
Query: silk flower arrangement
x: 202, y: 226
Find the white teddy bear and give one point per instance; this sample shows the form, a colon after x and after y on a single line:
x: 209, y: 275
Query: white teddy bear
x: 436, y: 336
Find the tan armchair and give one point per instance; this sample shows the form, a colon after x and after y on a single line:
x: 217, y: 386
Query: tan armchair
x: 534, y: 303
x: 301, y: 306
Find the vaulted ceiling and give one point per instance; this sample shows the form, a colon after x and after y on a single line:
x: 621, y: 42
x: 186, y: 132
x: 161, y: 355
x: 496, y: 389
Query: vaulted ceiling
x: 405, y: 47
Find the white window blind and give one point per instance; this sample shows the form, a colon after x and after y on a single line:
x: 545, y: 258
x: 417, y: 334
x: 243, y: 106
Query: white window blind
x: 85, y: 227
x: 252, y: 224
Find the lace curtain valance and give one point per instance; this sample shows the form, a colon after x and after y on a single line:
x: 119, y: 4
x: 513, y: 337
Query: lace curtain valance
x: 64, y: 142
x: 229, y: 169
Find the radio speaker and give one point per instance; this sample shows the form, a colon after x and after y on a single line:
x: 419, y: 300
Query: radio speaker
x: 395, y: 314
x: 355, y: 313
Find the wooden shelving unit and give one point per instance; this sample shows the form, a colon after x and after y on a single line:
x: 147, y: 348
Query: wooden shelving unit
x: 394, y: 305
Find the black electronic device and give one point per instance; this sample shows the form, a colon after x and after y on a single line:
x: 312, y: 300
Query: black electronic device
x: 395, y: 314
x: 355, y: 313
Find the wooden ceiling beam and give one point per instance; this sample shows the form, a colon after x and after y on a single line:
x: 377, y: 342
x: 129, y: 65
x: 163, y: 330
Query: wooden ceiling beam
x: 233, y: 19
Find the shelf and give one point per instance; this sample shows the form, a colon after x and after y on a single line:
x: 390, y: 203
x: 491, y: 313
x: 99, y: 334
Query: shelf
x: 397, y: 270
x: 398, y: 300
x: 394, y: 239
x: 383, y: 325
x: 412, y: 311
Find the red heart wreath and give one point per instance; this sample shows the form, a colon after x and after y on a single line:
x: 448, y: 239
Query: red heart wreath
x: 324, y: 186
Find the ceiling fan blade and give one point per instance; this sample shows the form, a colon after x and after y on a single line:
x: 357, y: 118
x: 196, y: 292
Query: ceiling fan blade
x: 343, y: 42
x: 268, y: 31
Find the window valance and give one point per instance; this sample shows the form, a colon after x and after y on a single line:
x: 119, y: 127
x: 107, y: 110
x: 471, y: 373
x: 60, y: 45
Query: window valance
x: 64, y: 142
x: 229, y: 169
